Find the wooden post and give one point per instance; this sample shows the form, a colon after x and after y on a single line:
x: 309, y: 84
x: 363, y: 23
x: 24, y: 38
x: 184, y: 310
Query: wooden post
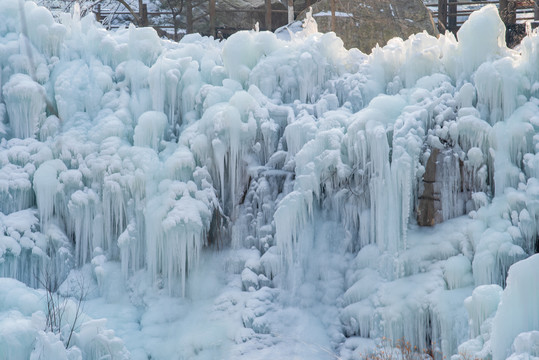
x: 452, y: 17
x: 536, y: 10
x: 98, y: 13
x: 268, y: 15
x: 212, y: 18
x: 144, y: 15
x: 141, y: 18
x: 442, y: 16
x: 333, y: 18
x: 189, y: 16
x: 290, y: 11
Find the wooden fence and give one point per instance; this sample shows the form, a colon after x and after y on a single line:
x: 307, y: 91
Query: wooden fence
x: 450, y: 15
x: 207, y: 13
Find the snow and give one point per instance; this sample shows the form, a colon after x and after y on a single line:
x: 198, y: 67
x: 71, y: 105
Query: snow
x: 257, y: 197
x: 23, y: 321
x: 337, y: 13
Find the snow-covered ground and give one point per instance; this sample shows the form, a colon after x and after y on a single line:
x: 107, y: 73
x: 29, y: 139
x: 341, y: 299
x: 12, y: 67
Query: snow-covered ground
x: 257, y: 198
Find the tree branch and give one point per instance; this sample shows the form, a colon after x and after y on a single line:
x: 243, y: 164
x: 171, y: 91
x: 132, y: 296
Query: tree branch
x: 130, y: 9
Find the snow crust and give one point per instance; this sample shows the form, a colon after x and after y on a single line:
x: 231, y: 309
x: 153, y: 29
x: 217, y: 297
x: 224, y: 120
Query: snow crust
x: 258, y: 198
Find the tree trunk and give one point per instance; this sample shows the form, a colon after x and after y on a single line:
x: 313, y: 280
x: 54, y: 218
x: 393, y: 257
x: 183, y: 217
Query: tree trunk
x: 452, y: 19
x: 268, y: 15
x: 442, y: 16
x: 189, y: 15
x: 333, y: 18
x: 212, y: 18
x: 130, y: 9
x: 144, y: 15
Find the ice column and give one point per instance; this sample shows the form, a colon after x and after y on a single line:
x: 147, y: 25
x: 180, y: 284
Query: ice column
x: 25, y: 104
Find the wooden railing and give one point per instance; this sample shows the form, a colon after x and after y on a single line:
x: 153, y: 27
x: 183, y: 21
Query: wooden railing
x: 450, y: 14
x: 207, y: 12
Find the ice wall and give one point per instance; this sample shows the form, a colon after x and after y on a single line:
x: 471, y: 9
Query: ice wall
x: 154, y: 150
x: 518, y: 311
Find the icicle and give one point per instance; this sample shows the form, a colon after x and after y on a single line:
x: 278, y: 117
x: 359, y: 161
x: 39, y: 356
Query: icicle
x: 144, y: 44
x: 25, y: 105
x: 46, y: 187
x: 381, y: 189
x: 127, y: 242
x: 150, y: 129
x: 497, y: 88
x: 15, y: 189
x: 176, y: 226
x: 164, y: 79
x: 114, y: 212
x: 449, y: 178
x: 83, y: 207
x: 293, y: 213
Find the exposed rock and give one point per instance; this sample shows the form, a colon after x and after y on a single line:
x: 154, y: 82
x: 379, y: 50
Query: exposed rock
x: 447, y: 188
x: 429, y: 210
x: 364, y: 23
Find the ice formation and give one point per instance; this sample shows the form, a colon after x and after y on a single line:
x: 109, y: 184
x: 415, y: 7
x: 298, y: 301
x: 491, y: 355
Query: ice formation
x: 267, y: 191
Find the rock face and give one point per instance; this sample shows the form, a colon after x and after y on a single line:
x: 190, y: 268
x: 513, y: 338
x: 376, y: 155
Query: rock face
x: 447, y: 187
x: 364, y: 23
x: 429, y: 211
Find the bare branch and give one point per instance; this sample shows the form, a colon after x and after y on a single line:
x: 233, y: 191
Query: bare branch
x: 130, y: 9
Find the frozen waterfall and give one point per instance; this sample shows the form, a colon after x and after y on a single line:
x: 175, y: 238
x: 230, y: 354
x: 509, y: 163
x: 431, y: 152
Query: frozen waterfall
x: 259, y: 198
